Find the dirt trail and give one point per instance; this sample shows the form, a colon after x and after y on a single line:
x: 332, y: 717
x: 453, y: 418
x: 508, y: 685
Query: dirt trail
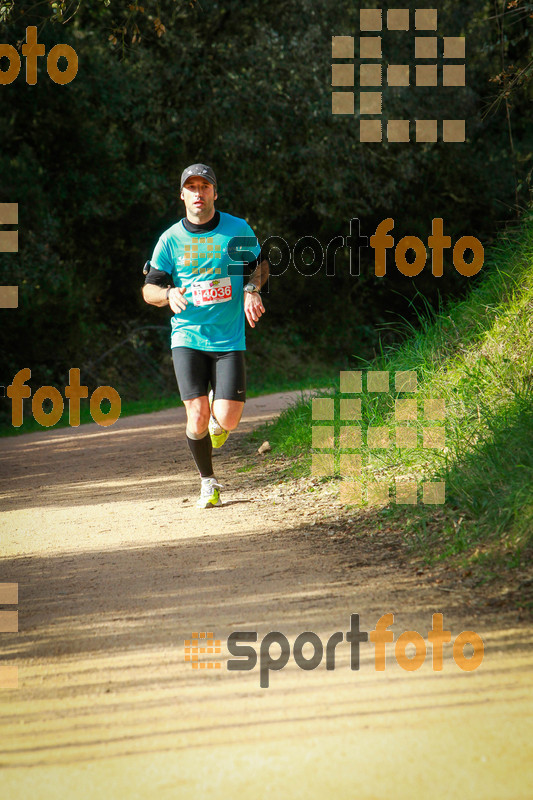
x: 116, y: 568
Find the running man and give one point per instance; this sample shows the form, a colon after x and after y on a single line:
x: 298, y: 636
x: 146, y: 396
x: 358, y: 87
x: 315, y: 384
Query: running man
x: 190, y: 271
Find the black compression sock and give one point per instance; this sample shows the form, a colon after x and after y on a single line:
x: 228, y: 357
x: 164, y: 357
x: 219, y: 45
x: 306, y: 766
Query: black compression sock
x: 201, y: 450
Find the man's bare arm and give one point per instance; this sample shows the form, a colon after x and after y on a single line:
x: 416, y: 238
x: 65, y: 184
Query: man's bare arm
x: 260, y: 274
x: 253, y: 304
x: 157, y: 296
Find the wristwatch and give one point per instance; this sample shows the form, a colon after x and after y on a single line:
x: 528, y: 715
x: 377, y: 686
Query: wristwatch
x: 251, y: 288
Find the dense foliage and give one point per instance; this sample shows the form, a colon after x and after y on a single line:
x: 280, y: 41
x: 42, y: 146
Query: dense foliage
x: 246, y: 87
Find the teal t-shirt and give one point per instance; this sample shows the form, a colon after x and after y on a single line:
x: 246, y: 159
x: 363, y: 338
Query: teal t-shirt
x: 214, y: 316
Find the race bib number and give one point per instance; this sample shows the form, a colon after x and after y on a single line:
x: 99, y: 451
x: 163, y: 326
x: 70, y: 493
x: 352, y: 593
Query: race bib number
x: 206, y: 293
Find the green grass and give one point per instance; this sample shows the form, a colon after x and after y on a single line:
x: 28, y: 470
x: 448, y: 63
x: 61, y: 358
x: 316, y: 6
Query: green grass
x: 477, y: 355
x: 246, y: 468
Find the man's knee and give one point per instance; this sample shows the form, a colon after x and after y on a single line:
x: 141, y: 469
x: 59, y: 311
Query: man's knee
x: 228, y: 413
x: 197, y: 415
x: 229, y: 423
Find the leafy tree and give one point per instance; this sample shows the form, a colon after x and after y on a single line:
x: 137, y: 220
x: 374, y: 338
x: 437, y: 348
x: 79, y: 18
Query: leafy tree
x: 94, y: 166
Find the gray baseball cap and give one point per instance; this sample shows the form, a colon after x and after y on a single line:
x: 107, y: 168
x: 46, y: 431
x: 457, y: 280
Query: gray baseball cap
x: 198, y: 170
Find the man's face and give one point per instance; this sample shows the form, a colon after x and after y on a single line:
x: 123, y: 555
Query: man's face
x: 199, y: 197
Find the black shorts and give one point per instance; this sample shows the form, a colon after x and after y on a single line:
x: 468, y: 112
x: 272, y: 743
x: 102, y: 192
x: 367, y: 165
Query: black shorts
x: 197, y: 369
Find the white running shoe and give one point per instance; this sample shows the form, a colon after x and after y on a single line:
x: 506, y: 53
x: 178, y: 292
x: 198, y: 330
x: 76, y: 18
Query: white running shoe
x: 210, y: 494
x: 216, y: 431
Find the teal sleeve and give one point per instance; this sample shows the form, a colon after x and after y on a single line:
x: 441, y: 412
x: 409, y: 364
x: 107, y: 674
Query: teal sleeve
x: 161, y: 258
x: 255, y: 249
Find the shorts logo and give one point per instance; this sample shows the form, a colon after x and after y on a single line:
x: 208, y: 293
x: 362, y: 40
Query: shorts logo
x: 372, y: 75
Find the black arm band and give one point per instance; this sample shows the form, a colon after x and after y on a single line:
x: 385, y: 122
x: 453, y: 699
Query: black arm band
x: 159, y: 278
